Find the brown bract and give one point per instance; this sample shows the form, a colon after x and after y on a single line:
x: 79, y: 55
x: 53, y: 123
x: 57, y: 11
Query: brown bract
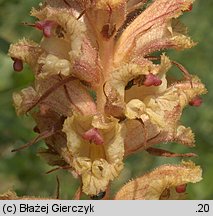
x: 99, y: 95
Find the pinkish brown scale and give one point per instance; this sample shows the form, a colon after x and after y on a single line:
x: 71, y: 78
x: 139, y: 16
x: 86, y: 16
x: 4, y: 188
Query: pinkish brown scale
x: 181, y: 188
x: 152, y: 80
x: 93, y: 135
x: 197, y: 101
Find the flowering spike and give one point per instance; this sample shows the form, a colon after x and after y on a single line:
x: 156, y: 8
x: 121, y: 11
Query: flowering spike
x: 196, y: 101
x: 93, y: 135
x: 92, y: 47
x: 152, y: 80
x: 17, y: 65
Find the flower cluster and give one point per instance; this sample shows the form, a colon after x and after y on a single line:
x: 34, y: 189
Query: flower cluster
x: 100, y: 94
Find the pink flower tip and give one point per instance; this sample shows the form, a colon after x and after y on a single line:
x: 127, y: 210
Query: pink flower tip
x: 93, y: 135
x: 197, y: 101
x: 45, y: 26
x: 17, y: 64
x: 152, y: 80
x: 181, y: 188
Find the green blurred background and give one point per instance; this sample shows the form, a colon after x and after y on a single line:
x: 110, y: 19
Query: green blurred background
x: 25, y: 171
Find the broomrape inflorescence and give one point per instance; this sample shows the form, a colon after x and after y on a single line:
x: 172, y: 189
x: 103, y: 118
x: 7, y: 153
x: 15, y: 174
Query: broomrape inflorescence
x: 104, y: 48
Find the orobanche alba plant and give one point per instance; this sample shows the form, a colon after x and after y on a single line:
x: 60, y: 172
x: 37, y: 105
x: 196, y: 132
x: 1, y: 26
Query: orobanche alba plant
x: 101, y: 91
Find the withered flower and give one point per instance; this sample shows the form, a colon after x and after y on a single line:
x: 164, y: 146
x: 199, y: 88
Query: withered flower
x: 104, y: 48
